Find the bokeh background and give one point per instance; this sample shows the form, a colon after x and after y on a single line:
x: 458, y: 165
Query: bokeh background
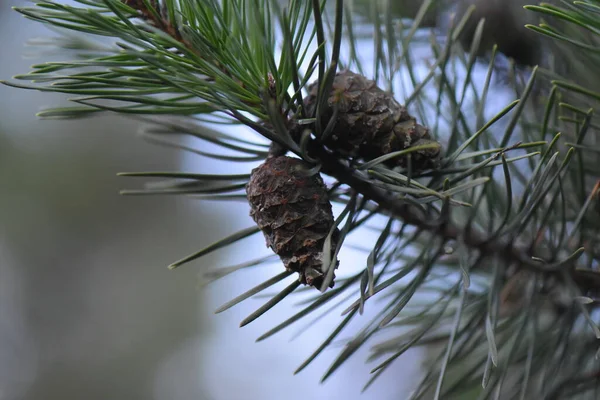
x: 88, y: 309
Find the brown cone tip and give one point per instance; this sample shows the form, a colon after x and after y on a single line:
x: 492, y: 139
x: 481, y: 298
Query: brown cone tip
x: 370, y: 122
x: 293, y: 211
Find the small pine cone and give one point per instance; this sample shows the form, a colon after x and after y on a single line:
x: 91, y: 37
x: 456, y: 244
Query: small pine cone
x: 294, y: 213
x: 370, y: 122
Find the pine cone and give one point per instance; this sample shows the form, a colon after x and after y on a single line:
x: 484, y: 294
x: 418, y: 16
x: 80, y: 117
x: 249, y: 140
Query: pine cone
x: 294, y: 213
x: 370, y: 122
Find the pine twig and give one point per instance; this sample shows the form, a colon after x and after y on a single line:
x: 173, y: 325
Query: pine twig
x: 159, y: 20
x: 157, y: 17
x: 507, y: 250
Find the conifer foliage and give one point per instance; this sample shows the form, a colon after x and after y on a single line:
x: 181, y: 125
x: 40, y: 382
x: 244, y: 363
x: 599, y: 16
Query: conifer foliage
x: 484, y: 216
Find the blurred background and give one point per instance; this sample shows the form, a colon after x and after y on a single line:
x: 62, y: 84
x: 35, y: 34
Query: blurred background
x: 88, y: 309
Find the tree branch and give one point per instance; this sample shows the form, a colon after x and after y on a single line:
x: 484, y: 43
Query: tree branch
x: 157, y: 17
x: 409, y: 214
x: 505, y: 249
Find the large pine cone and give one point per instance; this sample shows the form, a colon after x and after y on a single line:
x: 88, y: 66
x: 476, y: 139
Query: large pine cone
x: 294, y: 213
x: 370, y: 123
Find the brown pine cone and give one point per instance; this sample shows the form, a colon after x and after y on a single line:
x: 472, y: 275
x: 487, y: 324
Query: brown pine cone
x: 370, y: 123
x: 294, y: 213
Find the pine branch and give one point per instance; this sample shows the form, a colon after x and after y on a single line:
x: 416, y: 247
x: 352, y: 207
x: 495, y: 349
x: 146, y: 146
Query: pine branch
x: 509, y: 250
x: 490, y: 257
x: 156, y: 14
x: 411, y: 215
